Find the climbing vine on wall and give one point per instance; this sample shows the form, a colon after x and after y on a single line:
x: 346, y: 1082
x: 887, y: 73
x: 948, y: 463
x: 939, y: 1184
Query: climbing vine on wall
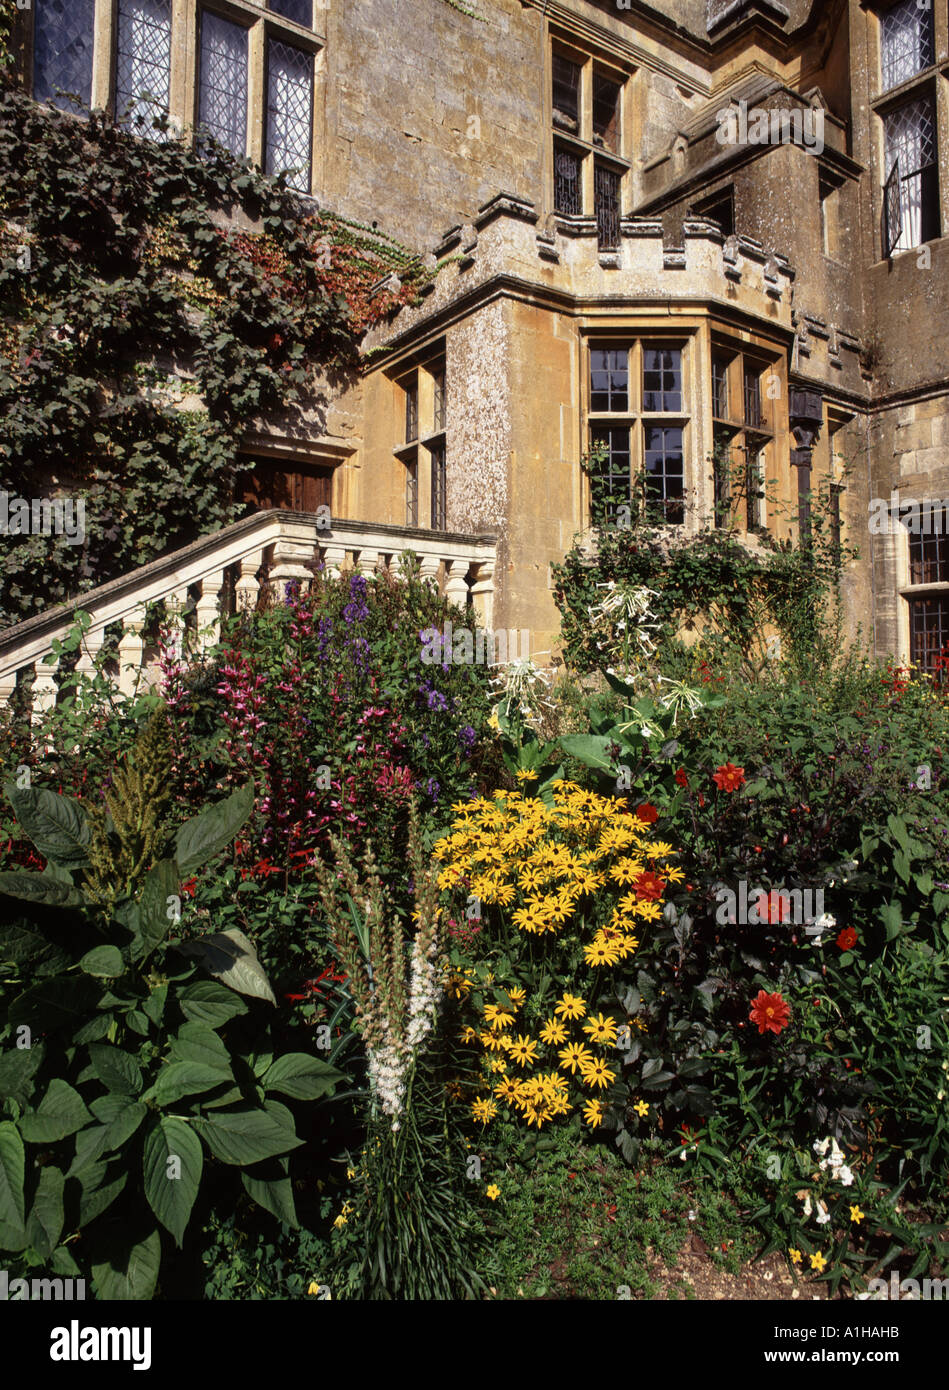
x: 155, y: 305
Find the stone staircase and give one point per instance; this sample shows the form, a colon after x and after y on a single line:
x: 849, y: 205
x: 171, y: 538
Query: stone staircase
x: 224, y: 573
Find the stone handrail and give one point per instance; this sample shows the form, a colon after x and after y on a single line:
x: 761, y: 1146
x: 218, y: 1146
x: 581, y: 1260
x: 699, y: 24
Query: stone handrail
x: 283, y: 544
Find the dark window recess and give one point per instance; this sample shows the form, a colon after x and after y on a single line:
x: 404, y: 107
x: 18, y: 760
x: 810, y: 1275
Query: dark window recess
x: 568, y: 188
x: 411, y: 412
x: 62, y: 51
x: 222, y: 106
x: 752, y: 396
x: 720, y: 388
x: 566, y: 94
x: 439, y: 384
x: 606, y: 113
x: 609, y: 380
x: 606, y: 185
x: 289, y: 113
x: 929, y: 633
x: 299, y: 10
x: 753, y: 476
x: 439, y: 488
x: 610, y: 483
x: 411, y: 492
x: 929, y: 547
x: 804, y: 504
x: 665, y: 475
x: 721, y: 477
x: 143, y: 63
x: 836, y: 529
x: 295, y: 487
x: 662, y: 380
x: 719, y: 209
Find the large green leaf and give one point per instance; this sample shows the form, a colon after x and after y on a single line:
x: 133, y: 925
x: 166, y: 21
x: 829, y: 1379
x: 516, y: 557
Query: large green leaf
x: 12, y: 1171
x: 61, y: 1112
x: 56, y: 1002
x: 57, y: 825
x: 300, y: 1076
x: 177, y: 1079
x: 154, y: 923
x: 172, y: 1163
x: 230, y: 957
x: 205, y: 1001
x: 590, y: 749
x: 129, y: 1272
x: 269, y: 1185
x: 197, y: 1043
x: 45, y: 1223
x: 98, y: 1195
x: 38, y: 888
x: 91, y: 1144
x: 245, y: 1136
x: 18, y: 1066
x: 105, y: 962
x: 117, y: 1070
x: 205, y: 835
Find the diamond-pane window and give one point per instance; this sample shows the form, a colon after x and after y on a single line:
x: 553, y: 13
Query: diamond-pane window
x: 62, y: 51
x: 223, y: 103
x: 289, y: 113
x: 606, y: 192
x: 609, y: 380
x: 911, y: 141
x: 143, y: 62
x: 299, y: 10
x: 906, y: 40
x: 568, y: 187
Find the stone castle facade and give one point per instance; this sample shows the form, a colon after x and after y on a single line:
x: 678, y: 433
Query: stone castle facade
x: 705, y: 238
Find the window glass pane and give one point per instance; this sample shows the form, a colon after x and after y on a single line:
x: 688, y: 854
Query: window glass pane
x: 609, y: 380
x: 289, y: 113
x: 665, y: 474
x: 610, y: 484
x: 438, y: 379
x: 720, y: 387
x: 911, y: 148
x: 411, y: 492
x: 411, y: 412
x: 929, y: 633
x: 929, y: 547
x: 568, y: 188
x: 62, y: 50
x: 906, y: 37
x: 143, y: 63
x: 566, y: 94
x: 606, y: 112
x: 606, y: 185
x: 662, y: 379
x: 299, y: 10
x: 223, y: 104
x: 752, y: 396
x: 439, y: 488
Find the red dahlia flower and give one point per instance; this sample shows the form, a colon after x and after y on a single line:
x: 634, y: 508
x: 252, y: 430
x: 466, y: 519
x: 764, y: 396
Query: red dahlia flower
x: 770, y: 1012
x: 649, y: 887
x: 728, y: 778
x: 847, y: 939
x: 647, y: 814
x: 682, y: 778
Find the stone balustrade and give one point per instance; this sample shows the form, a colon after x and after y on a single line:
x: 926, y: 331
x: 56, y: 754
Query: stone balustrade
x: 219, y: 574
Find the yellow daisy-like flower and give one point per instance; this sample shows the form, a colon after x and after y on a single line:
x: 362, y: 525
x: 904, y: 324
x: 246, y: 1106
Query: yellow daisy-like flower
x: 526, y: 774
x: 795, y: 1255
x: 493, y: 1192
x: 469, y: 1035
x: 649, y: 912
x: 494, y: 1042
x: 818, y: 1262
x: 523, y: 1050
x: 496, y: 1016
x: 600, y: 1029
x: 600, y: 953
x: 484, y: 1110
x: 856, y: 1214
x: 517, y: 997
x: 498, y: 1064
x: 642, y: 1108
x: 674, y: 875
x: 659, y: 849
x: 574, y: 1055
x: 506, y: 1090
x: 593, y: 1113
x: 597, y: 1073
x: 570, y: 1007
x: 504, y: 894
x: 553, y: 1032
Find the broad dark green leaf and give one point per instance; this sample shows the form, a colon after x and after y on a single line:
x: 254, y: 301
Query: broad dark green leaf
x: 269, y: 1185
x: 129, y: 1273
x: 116, y: 1069
x: 56, y: 1003
x: 205, y: 835
x: 105, y: 962
x: 230, y: 957
x: 245, y: 1136
x: 12, y: 1172
x: 18, y: 1066
x: 301, y: 1077
x: 161, y: 883
x: 38, y: 888
x: 45, y: 1222
x: 177, y: 1079
x: 57, y: 825
x: 173, y: 1161
x: 206, y: 1001
x: 60, y: 1113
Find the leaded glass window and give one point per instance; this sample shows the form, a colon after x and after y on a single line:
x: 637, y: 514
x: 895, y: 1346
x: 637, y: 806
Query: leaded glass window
x: 665, y: 474
x: 439, y: 487
x: 906, y: 40
x: 223, y: 101
x: 143, y: 62
x: 609, y: 380
x: 611, y: 481
x: 566, y: 94
x: 568, y: 186
x: 63, y: 35
x: 289, y: 113
x: 911, y: 147
x: 929, y: 633
x: 929, y: 546
x: 662, y: 379
x: 299, y: 10
x: 606, y: 193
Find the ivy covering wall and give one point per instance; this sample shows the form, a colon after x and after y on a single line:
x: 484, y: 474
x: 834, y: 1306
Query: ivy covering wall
x: 156, y: 303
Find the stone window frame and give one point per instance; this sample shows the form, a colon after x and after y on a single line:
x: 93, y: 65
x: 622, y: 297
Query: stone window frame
x: 418, y: 458
x: 896, y: 547
x: 593, y: 62
x: 635, y: 419
x: 883, y: 102
x: 742, y: 434
x: 262, y: 24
